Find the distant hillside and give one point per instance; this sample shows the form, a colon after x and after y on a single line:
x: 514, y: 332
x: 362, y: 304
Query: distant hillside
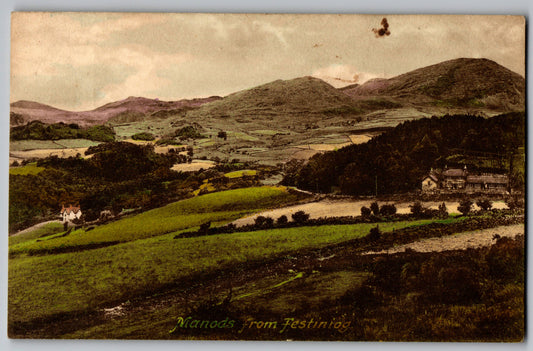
x: 296, y: 97
x: 130, y: 109
x: 463, y: 82
x: 397, y: 160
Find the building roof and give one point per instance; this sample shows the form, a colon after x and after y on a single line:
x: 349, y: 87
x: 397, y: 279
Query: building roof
x: 433, y: 177
x: 70, y: 209
x: 488, y: 179
x: 454, y: 172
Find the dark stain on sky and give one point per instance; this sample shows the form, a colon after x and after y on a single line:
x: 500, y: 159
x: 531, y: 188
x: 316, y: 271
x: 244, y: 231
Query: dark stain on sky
x: 384, y: 30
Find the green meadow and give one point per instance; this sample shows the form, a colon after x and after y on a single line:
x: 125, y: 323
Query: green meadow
x: 79, y: 281
x: 29, y: 169
x: 241, y: 173
x: 216, y: 207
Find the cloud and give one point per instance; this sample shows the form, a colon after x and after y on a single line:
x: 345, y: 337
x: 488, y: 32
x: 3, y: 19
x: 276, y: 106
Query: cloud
x: 342, y: 75
x: 187, y: 55
x: 72, y: 87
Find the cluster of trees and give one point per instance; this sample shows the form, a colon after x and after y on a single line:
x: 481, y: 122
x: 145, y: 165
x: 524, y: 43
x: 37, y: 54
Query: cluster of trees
x: 143, y: 136
x: 396, y: 161
x: 188, y: 132
x: 118, y: 175
x: 37, y: 130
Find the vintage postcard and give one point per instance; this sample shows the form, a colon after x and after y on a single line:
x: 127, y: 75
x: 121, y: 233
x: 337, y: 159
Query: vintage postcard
x: 267, y: 177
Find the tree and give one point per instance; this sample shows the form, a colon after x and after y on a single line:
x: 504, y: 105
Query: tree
x: 143, y: 136
x: 264, y: 222
x: 514, y: 202
x: 300, y: 217
x: 365, y: 212
x: 269, y: 222
x: 374, y: 207
x: 443, y: 211
x: 417, y: 209
x: 388, y: 210
x: 484, y: 204
x: 204, y: 228
x: 282, y: 220
x: 222, y: 135
x: 465, y: 206
x: 374, y: 234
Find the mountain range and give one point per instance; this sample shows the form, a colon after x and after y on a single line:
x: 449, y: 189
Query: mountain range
x: 462, y: 85
x: 129, y: 109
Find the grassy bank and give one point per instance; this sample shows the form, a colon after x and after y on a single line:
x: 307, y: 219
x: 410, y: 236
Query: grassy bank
x: 216, y: 207
x: 83, y: 280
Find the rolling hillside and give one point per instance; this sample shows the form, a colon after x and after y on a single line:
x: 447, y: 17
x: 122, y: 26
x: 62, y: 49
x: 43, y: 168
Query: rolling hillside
x: 139, y: 107
x: 463, y: 82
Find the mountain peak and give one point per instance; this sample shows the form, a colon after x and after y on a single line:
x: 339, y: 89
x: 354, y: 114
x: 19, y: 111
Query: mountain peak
x: 472, y: 82
x: 301, y: 95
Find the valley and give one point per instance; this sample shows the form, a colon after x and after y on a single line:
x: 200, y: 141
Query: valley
x: 289, y: 201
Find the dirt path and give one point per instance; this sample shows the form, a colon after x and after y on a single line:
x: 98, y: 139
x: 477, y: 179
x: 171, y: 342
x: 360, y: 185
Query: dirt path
x: 340, y: 208
x: 37, y: 226
x: 461, y: 241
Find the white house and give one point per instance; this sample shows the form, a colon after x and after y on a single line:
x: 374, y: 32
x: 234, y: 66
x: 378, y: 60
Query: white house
x: 70, y: 213
x: 430, y: 182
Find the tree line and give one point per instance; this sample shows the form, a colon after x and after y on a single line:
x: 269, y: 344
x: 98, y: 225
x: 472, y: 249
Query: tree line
x: 37, y: 130
x: 397, y: 160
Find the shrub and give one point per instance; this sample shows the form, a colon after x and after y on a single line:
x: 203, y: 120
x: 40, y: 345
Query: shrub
x: 143, y: 136
x: 204, y: 228
x: 388, y: 210
x: 443, y: 211
x: 465, y: 206
x: 264, y: 222
x: 484, y: 204
x: 458, y: 285
x: 417, y: 209
x: 514, y: 202
x: 222, y: 135
x: 365, y: 212
x: 300, y: 217
x: 374, y: 207
x: 188, y: 132
x: 374, y: 234
x: 282, y: 220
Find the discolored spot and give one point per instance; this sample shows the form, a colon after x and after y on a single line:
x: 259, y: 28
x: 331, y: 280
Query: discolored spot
x: 384, y: 30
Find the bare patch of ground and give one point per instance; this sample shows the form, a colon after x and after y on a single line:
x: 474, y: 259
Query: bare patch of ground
x: 323, y: 147
x: 461, y: 241
x: 341, y: 208
x: 193, y: 167
x: 359, y: 138
x: 37, y: 226
x: 42, y: 153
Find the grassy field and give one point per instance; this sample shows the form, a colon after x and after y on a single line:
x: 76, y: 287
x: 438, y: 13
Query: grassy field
x: 281, y: 294
x: 217, y: 207
x: 45, y: 230
x: 241, y: 173
x: 23, y: 145
x: 83, y: 280
x: 29, y: 169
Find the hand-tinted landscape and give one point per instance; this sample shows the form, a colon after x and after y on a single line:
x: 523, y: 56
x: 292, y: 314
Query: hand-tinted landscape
x: 330, y: 206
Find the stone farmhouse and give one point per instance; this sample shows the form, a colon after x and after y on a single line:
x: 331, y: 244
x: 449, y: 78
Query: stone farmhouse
x: 70, y: 213
x: 461, y: 180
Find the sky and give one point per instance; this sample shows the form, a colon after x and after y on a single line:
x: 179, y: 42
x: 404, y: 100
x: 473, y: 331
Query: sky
x: 79, y: 61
